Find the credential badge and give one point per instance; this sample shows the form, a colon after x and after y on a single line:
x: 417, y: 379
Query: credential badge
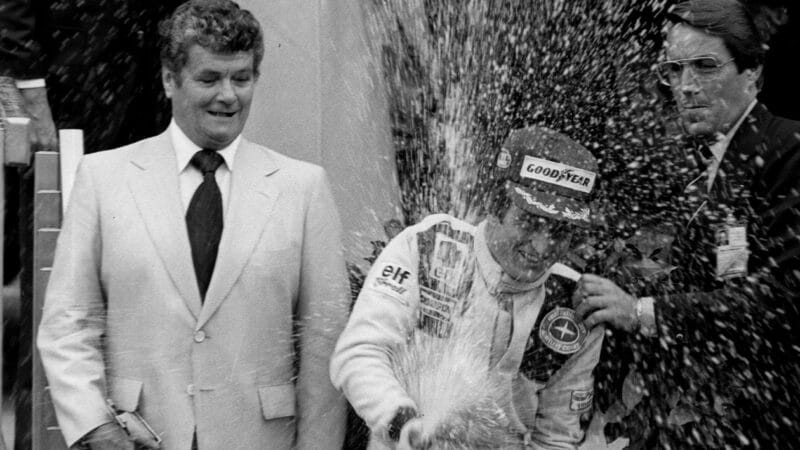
x: 561, y: 331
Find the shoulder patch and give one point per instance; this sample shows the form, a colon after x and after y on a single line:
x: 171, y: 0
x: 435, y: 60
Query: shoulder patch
x: 392, y: 279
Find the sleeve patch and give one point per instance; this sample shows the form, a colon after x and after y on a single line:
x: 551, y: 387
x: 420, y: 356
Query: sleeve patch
x: 581, y: 400
x: 391, y: 279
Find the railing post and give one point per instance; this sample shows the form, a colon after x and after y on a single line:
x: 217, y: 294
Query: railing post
x: 14, y: 151
x: 46, y: 222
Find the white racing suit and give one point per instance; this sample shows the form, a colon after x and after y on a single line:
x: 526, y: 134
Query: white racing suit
x: 536, y: 344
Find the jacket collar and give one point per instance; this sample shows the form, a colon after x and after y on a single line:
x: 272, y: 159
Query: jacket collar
x: 153, y: 182
x: 750, y: 135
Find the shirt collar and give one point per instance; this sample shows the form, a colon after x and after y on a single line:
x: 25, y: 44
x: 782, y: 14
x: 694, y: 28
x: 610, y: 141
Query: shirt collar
x: 185, y: 148
x: 719, y: 148
x: 496, y: 278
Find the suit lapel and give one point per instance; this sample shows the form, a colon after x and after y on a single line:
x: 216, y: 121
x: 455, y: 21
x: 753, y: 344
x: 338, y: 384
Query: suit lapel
x: 250, y: 208
x: 156, y: 190
x: 750, y: 135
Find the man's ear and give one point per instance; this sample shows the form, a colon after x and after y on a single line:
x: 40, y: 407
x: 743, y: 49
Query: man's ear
x: 493, y: 222
x: 565, y: 245
x: 170, y: 81
x: 754, y: 77
x: 756, y: 72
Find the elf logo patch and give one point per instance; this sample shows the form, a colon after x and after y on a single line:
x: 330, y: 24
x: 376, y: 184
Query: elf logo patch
x: 392, y: 279
x: 396, y: 273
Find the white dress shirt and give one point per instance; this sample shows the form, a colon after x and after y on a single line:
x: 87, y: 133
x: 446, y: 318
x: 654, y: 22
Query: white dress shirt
x: 30, y: 84
x: 719, y: 148
x: 190, y: 177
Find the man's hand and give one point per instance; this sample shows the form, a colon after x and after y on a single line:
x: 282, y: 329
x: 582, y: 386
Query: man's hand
x: 413, y: 436
x: 597, y: 300
x: 108, y: 436
x: 138, y: 431
x: 111, y: 436
x: 42, y: 131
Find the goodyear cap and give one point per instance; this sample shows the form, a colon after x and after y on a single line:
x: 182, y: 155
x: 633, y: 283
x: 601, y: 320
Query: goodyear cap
x: 548, y: 174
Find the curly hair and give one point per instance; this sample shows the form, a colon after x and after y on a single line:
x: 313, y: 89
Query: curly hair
x: 216, y: 25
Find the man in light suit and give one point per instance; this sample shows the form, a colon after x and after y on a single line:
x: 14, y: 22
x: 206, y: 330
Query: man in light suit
x: 198, y: 279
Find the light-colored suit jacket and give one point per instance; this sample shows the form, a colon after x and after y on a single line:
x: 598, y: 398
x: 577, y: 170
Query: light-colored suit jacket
x: 123, y: 318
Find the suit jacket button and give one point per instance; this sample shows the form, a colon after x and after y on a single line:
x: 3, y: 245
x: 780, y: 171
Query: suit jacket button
x: 190, y: 389
x: 200, y: 336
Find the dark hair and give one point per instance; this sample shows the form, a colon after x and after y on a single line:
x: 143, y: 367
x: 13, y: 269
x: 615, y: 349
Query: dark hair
x: 216, y: 25
x: 732, y: 21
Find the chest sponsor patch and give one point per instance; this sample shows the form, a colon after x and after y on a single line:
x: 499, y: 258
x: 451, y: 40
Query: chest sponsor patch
x: 561, y: 331
x: 392, y: 279
x: 581, y: 400
x: 558, y: 174
x: 449, y: 261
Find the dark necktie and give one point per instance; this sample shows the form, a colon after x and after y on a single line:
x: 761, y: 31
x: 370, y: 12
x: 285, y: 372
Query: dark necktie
x: 204, y: 218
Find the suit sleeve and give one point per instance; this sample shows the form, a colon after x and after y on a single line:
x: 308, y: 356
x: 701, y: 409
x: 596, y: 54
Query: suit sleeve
x: 568, y: 394
x: 322, y: 308
x: 750, y: 323
x: 73, y: 319
x: 21, y: 49
x: 748, y: 305
x: 382, y: 319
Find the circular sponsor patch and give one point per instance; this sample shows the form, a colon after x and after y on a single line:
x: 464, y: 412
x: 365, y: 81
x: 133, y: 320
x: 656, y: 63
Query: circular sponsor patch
x: 504, y: 159
x: 561, y: 331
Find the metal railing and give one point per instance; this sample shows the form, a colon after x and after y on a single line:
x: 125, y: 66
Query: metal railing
x: 51, y: 171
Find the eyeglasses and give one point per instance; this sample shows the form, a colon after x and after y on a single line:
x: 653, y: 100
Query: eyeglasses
x: 703, y: 68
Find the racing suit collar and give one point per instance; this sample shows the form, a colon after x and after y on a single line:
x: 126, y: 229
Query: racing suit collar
x: 497, y: 280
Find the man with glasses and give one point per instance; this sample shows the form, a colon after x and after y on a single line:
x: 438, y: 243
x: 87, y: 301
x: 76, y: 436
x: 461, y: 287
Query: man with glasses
x: 443, y: 275
x: 724, y: 367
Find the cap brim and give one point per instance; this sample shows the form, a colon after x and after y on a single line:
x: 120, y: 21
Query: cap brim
x: 550, y: 205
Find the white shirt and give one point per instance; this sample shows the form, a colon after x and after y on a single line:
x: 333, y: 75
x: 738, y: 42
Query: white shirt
x: 30, y: 84
x: 189, y: 176
x: 719, y: 148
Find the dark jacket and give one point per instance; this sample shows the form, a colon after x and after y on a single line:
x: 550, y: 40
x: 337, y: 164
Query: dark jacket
x: 728, y: 349
x: 99, y: 59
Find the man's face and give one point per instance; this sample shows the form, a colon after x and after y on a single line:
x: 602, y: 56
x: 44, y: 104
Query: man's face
x: 526, y: 245
x: 211, y: 95
x: 710, y: 101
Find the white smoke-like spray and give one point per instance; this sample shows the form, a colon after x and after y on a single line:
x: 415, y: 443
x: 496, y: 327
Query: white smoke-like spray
x: 460, y: 399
